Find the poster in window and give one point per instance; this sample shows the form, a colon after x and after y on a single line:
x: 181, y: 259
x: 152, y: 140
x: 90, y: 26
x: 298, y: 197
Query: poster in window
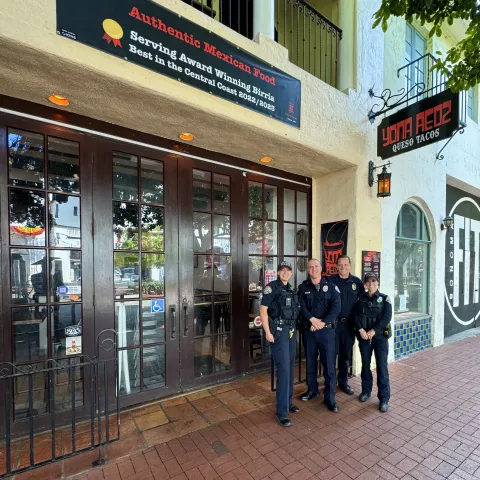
x: 334, y: 243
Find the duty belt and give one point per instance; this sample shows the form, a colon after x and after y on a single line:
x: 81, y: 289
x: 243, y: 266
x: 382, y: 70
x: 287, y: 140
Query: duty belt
x: 329, y: 325
x: 286, y: 322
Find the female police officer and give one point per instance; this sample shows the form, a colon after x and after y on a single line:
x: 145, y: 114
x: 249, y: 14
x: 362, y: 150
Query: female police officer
x: 373, y: 312
x: 279, y: 310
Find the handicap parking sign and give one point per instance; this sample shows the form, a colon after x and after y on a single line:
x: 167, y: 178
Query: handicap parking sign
x: 158, y: 306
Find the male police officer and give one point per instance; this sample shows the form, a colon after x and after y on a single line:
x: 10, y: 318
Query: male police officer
x: 373, y: 313
x: 279, y: 310
x: 320, y: 305
x: 349, y: 286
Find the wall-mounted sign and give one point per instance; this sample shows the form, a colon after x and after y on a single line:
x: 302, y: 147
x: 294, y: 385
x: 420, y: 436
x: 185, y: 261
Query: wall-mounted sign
x: 422, y: 123
x: 73, y: 331
x: 371, y: 263
x: 334, y: 243
x: 143, y: 32
x: 158, y: 306
x: 73, y: 345
x: 462, y: 262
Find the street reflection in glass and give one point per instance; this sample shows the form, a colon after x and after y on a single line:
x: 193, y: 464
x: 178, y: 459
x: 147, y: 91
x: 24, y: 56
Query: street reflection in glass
x: 153, y: 367
x: 127, y: 323
x: 202, y: 274
x: 152, y: 228
x: 27, y: 218
x: 221, y: 193
x: 30, y: 333
x: 64, y: 220
x: 202, y: 232
x: 65, y: 276
x: 28, y: 275
x: 66, y: 322
x: 125, y: 226
x: 202, y: 190
x: 152, y: 181
x: 63, y: 165
x: 126, y: 275
x: 125, y: 177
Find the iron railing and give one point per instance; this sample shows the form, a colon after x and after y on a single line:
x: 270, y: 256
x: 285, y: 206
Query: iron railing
x: 423, y: 82
x: 312, y: 40
x: 58, y: 409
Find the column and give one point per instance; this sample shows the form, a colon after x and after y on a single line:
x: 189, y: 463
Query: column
x: 264, y: 18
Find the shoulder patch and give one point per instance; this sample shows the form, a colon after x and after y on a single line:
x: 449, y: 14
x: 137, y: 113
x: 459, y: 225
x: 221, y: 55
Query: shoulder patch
x: 337, y: 289
x: 388, y: 300
x: 267, y: 290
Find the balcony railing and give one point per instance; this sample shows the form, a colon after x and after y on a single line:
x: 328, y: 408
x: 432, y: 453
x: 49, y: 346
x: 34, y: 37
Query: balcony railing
x: 423, y: 82
x: 312, y: 40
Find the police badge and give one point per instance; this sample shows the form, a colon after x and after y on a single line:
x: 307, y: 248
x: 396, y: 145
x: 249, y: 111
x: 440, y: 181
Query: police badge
x: 325, y: 288
x: 354, y: 286
x: 379, y: 299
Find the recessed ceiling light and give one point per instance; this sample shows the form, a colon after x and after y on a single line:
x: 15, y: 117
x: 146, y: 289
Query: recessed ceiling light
x: 59, y: 100
x: 266, y: 159
x: 187, y: 137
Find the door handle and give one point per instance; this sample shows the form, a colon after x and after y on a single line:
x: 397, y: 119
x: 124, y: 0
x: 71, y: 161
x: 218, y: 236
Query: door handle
x: 173, y: 319
x: 185, y: 316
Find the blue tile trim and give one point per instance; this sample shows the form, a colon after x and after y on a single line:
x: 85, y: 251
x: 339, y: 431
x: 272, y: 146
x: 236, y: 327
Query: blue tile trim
x: 412, y: 336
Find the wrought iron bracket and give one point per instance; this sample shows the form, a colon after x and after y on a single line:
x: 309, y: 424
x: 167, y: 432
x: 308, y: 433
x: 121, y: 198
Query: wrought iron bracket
x: 391, y: 101
x: 371, y: 170
x: 461, y: 130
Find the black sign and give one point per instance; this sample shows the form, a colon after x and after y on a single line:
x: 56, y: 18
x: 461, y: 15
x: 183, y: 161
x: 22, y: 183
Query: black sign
x: 462, y: 262
x: 371, y: 263
x: 149, y: 35
x: 334, y: 243
x: 427, y: 121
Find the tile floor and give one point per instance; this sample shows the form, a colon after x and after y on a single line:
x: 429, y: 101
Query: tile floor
x: 432, y: 431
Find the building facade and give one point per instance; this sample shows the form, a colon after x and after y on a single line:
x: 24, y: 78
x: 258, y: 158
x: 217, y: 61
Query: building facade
x: 109, y: 221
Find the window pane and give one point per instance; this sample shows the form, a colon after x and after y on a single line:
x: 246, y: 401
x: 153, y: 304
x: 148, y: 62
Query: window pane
x: 27, y: 217
x: 28, y: 275
x: 125, y: 226
x: 289, y: 238
x: 63, y: 165
x: 271, y: 265
x: 222, y: 274
x: 203, y: 360
x: 302, y: 207
x: 270, y: 243
x: 202, y: 189
x: 30, y: 333
x: 66, y: 325
x: 129, y: 371
x: 202, y: 274
x: 291, y: 261
x: 126, y: 275
x: 64, y: 220
x: 259, y: 346
x: 125, y: 177
x: 26, y: 159
x: 255, y: 236
x: 255, y: 274
x: 221, y: 193
x: 221, y: 311
x: 302, y: 240
x: 221, y: 234
x: 289, y: 205
x: 202, y: 232
x: 255, y: 206
x: 21, y: 394
x: 152, y: 181
x: 202, y: 320
x: 152, y: 228
x: 153, y: 324
x: 410, y: 221
x: 153, y: 275
x: 222, y: 353
x: 270, y: 201
x: 127, y: 323
x: 154, y: 367
x: 65, y: 275
x: 301, y: 270
x: 411, y: 274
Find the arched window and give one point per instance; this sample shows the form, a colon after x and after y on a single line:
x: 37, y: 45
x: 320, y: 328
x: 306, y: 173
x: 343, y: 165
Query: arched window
x: 412, y: 258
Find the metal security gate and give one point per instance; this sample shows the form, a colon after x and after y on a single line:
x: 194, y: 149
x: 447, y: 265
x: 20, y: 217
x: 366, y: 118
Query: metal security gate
x: 32, y: 437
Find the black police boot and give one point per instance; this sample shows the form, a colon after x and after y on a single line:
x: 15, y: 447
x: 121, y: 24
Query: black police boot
x: 383, y: 407
x: 333, y: 407
x: 309, y: 395
x: 364, y: 397
x: 293, y: 409
x: 284, y: 421
x: 347, y: 389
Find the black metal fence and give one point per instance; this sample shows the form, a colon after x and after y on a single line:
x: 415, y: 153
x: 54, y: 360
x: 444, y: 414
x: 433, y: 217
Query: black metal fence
x: 312, y: 40
x: 58, y: 409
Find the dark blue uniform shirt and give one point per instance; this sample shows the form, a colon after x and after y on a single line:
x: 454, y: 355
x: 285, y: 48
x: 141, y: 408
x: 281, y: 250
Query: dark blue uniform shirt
x: 273, y: 293
x: 376, y: 311
x: 324, y: 304
x: 349, y: 288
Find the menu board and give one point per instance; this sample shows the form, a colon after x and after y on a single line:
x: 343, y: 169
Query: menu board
x: 370, y: 263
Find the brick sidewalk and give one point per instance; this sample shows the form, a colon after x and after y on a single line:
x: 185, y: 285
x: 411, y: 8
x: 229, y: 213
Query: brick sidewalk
x: 432, y: 431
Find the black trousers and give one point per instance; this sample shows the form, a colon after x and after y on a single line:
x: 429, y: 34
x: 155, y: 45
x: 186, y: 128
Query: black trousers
x: 344, y: 344
x: 379, y: 346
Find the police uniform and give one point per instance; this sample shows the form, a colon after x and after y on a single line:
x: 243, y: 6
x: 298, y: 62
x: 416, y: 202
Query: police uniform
x: 374, y: 312
x: 283, y: 309
x: 321, y: 301
x: 345, y: 335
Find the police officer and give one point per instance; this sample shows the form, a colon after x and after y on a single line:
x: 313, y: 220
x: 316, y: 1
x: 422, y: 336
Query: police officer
x: 320, y: 305
x: 350, y: 286
x: 373, y: 312
x: 279, y: 310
